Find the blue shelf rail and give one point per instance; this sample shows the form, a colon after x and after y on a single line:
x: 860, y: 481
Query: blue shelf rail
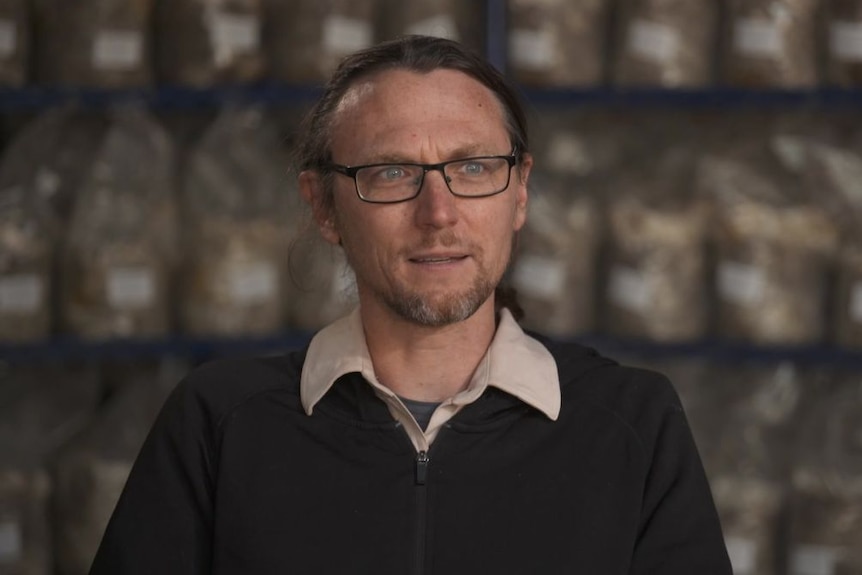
x: 73, y: 349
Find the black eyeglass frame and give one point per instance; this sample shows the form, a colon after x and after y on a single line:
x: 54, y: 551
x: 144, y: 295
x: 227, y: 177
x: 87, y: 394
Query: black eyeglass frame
x: 351, y: 171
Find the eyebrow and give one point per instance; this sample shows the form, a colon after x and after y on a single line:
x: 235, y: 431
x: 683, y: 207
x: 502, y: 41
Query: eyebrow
x: 469, y: 151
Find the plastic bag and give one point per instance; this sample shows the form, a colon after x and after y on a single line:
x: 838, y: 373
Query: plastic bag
x: 656, y: 264
x: 554, y: 271
x: 14, y: 42
x: 94, y: 43
x: 772, y: 43
x: 454, y: 19
x: 52, y: 154
x: 667, y: 43
x: 773, y: 247
x: 90, y: 472
x: 558, y: 42
x: 835, y: 173
x: 48, y: 406
x: 121, y: 240
x: 237, y: 206
x: 844, y: 41
x: 754, y: 455
x: 305, y: 39
x: 206, y: 42
x: 825, y: 519
x: 323, y: 287
x: 27, y: 236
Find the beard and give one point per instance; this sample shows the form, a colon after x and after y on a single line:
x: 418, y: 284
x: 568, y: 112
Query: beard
x: 422, y: 307
x: 442, y: 310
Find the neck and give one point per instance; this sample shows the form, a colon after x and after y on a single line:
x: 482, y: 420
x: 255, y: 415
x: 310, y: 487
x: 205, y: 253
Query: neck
x: 427, y: 363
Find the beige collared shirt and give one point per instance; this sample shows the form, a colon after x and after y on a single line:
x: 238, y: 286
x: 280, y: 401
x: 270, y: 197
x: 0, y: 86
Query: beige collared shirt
x: 514, y: 363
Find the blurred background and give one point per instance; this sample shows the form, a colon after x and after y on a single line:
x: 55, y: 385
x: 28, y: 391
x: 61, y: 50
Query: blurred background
x: 696, y: 208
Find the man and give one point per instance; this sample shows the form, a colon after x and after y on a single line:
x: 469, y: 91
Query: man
x: 424, y: 433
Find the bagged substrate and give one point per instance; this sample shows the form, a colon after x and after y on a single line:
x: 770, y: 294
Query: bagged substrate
x: 41, y: 408
x: 237, y: 205
x: 52, y: 154
x: 835, y: 172
x: 772, y: 43
x: 206, y: 42
x: 666, y: 43
x: 94, y: 43
x: 27, y: 236
x: 844, y: 42
x: 323, y: 287
x: 554, y: 271
x: 90, y: 472
x: 15, y: 43
x: 305, y: 39
x: 825, y: 524
x: 120, y: 244
x: 752, y: 458
x: 558, y: 42
x: 456, y: 20
x: 656, y: 268
x: 773, y: 251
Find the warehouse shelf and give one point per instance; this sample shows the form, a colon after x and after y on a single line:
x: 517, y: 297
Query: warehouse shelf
x: 73, y: 349
x: 36, y: 98
x: 273, y: 93
x: 691, y: 98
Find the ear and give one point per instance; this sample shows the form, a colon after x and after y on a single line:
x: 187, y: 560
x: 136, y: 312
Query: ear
x: 521, y: 179
x: 313, y: 192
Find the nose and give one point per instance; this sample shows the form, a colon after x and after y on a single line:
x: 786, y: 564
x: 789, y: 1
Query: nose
x: 436, y: 206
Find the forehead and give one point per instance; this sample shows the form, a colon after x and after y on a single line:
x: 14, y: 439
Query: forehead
x: 403, y: 111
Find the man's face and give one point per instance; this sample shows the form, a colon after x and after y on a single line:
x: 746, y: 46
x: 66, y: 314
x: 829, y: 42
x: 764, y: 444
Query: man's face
x: 436, y: 259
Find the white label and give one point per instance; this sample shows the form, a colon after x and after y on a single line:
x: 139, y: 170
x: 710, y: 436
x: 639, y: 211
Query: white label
x: 131, y: 287
x: 568, y: 154
x: 118, y: 50
x: 532, y: 49
x: 856, y: 302
x: 741, y: 283
x: 442, y: 26
x: 21, y: 293
x: 47, y: 183
x: 813, y: 560
x: 343, y: 35
x: 539, y: 277
x: 845, y: 41
x: 253, y: 282
x: 233, y: 34
x: 8, y: 38
x: 743, y: 555
x: 757, y: 38
x: 653, y: 41
x: 10, y: 541
x: 628, y: 289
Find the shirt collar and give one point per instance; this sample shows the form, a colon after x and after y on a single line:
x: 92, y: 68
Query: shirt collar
x: 515, y: 363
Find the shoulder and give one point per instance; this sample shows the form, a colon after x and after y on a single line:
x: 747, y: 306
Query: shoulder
x: 216, y: 388
x: 641, y: 399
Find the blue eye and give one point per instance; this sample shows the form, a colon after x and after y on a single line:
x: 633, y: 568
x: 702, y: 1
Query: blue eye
x: 392, y: 173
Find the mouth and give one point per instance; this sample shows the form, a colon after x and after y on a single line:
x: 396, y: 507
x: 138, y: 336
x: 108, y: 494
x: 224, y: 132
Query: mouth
x: 438, y: 259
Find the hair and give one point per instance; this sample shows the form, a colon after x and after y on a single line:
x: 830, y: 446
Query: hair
x: 421, y: 54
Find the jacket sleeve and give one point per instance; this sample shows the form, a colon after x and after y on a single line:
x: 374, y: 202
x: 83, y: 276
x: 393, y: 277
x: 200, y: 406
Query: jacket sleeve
x: 680, y: 533
x: 163, y: 520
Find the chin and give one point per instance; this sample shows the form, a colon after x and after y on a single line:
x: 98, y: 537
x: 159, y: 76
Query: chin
x: 440, y: 309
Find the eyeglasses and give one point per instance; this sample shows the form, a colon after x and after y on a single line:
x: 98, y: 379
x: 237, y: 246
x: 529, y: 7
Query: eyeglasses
x: 476, y: 177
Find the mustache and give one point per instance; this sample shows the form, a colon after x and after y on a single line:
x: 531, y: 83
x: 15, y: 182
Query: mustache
x: 442, y: 239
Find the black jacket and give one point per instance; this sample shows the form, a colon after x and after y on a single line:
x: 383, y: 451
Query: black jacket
x: 235, y: 478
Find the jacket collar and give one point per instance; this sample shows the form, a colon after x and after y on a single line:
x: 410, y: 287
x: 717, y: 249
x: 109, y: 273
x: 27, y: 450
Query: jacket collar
x: 515, y: 363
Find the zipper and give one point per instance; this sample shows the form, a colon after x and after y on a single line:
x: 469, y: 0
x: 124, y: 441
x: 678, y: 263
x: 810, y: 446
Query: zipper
x: 422, y: 462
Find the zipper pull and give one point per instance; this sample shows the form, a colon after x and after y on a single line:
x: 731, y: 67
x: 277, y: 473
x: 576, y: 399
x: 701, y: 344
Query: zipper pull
x: 421, y: 467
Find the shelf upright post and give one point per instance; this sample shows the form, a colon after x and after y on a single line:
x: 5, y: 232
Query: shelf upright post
x: 496, y: 37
